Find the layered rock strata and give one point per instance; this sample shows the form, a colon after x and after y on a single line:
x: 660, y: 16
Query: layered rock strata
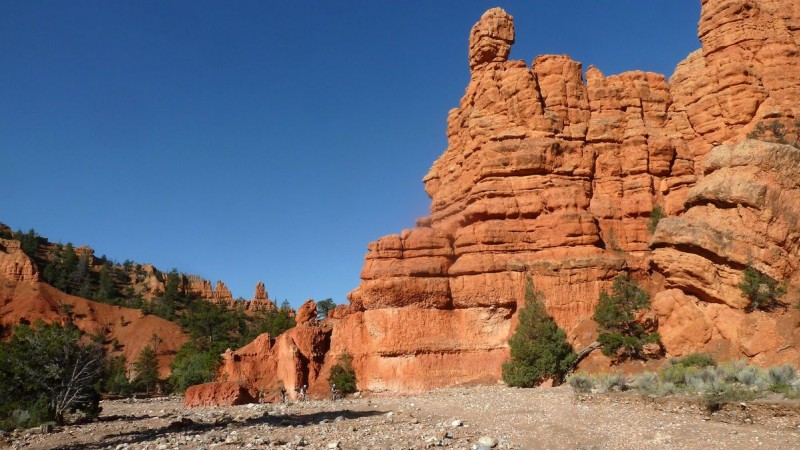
x: 743, y: 212
x: 554, y: 176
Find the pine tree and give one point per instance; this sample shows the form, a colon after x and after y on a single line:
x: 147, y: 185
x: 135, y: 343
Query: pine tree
x: 146, y: 367
x: 343, y: 375
x: 621, y: 334
x: 324, y: 307
x: 539, y: 348
x: 28, y: 242
x: 106, y: 289
x: 67, y: 266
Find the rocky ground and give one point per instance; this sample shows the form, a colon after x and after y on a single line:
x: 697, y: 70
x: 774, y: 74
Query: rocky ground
x: 462, y: 418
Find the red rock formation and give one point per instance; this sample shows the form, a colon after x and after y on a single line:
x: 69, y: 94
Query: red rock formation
x: 548, y: 175
x: 261, y: 292
x: 291, y: 360
x: 15, y: 264
x: 199, y: 286
x: 260, y: 301
x: 222, y: 294
x: 553, y: 177
x: 742, y: 212
x: 202, y: 287
x: 217, y: 394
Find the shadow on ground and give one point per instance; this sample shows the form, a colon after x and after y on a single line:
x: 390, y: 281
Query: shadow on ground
x: 188, y: 427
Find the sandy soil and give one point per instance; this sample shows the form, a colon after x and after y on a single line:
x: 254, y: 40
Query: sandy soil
x: 463, y: 418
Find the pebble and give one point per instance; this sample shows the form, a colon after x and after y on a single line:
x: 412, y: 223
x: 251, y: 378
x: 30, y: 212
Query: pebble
x: 487, y: 441
x: 502, y: 418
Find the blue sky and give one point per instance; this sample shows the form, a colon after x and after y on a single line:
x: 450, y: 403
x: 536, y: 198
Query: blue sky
x: 272, y: 141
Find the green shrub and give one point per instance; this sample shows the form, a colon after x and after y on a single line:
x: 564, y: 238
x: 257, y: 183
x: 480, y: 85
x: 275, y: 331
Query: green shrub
x: 581, y: 382
x: 539, y: 348
x: 749, y: 375
x: 763, y: 291
x: 697, y: 360
x: 115, y: 380
x: 781, y: 374
x: 647, y: 382
x: 611, y: 382
x: 343, y: 375
x: 192, y: 366
x: 730, y: 370
x: 621, y: 335
x: 146, y: 367
x: 720, y: 393
x: 777, y: 132
x: 655, y: 216
x: 698, y: 379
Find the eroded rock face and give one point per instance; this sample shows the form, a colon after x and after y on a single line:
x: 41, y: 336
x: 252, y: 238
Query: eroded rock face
x: 491, y: 38
x: 261, y: 292
x: 217, y: 394
x: 15, y: 264
x: 291, y: 360
x: 260, y: 301
x: 554, y: 176
x: 744, y: 211
x: 222, y: 295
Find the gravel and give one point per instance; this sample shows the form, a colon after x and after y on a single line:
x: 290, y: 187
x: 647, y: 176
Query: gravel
x: 474, y: 418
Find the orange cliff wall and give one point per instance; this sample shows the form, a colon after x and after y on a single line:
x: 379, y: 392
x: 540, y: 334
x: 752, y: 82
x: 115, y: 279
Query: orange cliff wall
x: 555, y: 176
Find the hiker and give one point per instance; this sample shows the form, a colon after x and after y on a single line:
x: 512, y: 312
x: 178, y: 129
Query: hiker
x: 283, y: 394
x: 303, y: 393
x: 333, y: 392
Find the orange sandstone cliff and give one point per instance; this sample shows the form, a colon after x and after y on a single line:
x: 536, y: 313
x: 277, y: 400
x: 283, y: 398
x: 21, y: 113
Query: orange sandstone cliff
x: 552, y: 172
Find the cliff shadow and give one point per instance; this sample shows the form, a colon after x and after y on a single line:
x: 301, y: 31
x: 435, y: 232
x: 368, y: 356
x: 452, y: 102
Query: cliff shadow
x: 187, y: 427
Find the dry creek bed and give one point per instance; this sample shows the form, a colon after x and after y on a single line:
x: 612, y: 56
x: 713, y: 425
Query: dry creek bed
x: 460, y: 418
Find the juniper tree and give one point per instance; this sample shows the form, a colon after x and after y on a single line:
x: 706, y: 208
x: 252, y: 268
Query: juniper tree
x: 539, y: 348
x: 621, y: 334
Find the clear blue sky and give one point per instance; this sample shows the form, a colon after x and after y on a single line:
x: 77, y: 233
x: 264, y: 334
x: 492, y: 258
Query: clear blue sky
x: 248, y: 141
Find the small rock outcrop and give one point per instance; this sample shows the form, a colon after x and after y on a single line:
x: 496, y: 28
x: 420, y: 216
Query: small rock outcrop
x: 291, y: 360
x: 15, y: 264
x: 217, y: 394
x: 261, y: 301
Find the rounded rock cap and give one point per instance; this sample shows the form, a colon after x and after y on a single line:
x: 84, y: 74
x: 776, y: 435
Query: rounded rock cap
x: 491, y: 38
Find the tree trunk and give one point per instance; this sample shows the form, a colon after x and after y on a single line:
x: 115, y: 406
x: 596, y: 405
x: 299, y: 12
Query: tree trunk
x: 583, y: 353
